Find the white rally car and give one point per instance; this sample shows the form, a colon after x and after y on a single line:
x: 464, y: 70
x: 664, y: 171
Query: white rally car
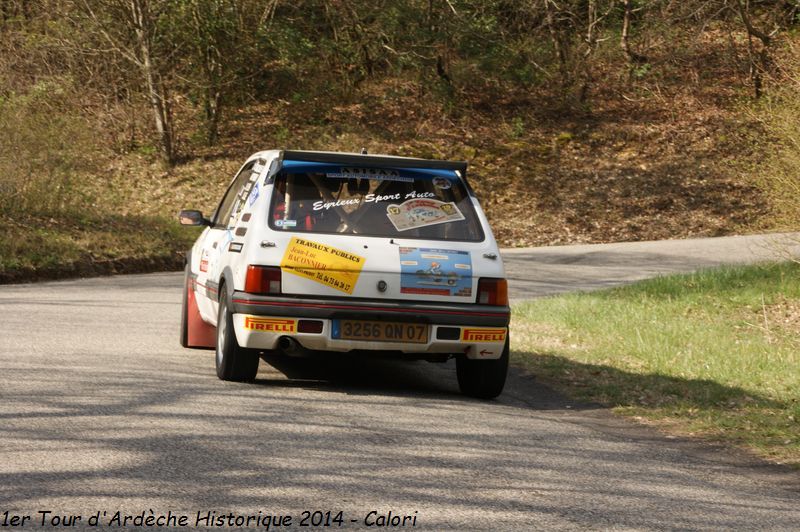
x: 339, y: 252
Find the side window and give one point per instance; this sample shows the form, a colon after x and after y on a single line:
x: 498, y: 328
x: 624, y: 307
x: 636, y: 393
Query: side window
x: 225, y: 208
x: 244, y: 193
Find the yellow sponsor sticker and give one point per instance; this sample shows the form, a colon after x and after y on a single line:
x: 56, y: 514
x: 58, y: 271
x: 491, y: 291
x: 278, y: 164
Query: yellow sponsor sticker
x: 482, y: 335
x: 274, y: 325
x: 322, y: 263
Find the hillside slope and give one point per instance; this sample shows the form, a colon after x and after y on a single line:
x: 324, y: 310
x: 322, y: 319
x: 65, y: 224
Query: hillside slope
x: 625, y: 169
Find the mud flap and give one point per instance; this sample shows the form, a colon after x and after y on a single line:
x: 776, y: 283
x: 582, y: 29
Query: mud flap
x: 199, y: 333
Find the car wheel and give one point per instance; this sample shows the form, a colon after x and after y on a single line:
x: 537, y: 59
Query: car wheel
x: 483, y: 379
x: 234, y: 363
x: 185, y: 310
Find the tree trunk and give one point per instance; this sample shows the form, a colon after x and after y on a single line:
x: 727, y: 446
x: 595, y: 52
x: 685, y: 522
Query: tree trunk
x: 213, y: 106
x: 558, y: 46
x: 624, y: 41
x: 591, y: 43
x: 208, y: 43
x: 759, y: 59
x: 213, y: 69
x: 155, y: 87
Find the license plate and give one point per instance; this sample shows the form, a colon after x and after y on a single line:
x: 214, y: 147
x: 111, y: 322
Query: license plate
x: 379, y: 331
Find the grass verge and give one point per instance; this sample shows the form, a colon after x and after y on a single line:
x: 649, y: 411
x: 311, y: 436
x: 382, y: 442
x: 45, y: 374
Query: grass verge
x: 714, y: 354
x: 75, y: 244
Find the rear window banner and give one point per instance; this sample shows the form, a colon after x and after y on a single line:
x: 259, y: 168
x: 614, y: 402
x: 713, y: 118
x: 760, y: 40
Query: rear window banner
x: 323, y: 264
x: 416, y: 213
x: 379, y: 174
x: 438, y: 272
x: 369, y: 198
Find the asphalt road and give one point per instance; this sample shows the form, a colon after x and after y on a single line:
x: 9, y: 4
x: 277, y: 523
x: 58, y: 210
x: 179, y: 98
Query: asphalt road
x: 101, y: 410
x: 536, y: 272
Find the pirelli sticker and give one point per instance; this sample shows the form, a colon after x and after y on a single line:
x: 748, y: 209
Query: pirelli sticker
x: 272, y: 325
x: 323, y: 264
x: 480, y: 334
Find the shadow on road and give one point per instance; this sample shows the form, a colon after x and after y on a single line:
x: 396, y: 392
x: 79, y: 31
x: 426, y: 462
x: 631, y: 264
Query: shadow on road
x: 360, y: 374
x: 369, y: 376
x: 382, y: 434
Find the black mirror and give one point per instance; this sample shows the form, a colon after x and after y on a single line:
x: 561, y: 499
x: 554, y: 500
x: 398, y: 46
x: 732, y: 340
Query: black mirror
x: 191, y: 217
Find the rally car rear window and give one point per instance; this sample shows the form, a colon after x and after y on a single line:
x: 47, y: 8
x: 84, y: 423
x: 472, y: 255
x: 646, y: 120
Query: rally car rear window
x: 416, y: 204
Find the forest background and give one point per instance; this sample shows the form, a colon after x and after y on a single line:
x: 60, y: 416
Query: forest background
x: 582, y: 120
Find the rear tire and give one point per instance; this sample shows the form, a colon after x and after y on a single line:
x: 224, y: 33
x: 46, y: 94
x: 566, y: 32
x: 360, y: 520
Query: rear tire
x: 483, y: 379
x: 234, y: 363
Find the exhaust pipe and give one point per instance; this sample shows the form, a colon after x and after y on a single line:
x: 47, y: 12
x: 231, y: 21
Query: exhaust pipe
x: 291, y: 347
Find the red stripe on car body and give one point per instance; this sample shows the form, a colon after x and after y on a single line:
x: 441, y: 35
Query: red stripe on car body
x: 348, y: 307
x: 206, y: 287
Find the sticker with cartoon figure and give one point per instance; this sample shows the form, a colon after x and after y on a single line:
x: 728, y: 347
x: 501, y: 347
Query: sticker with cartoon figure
x: 442, y: 183
x: 416, y: 213
x: 323, y: 264
x: 439, y: 272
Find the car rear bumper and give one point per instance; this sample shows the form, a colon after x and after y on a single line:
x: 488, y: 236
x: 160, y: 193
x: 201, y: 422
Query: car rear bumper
x: 479, y: 331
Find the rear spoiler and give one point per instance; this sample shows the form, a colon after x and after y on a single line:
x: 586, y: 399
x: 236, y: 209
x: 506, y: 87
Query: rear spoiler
x: 380, y: 161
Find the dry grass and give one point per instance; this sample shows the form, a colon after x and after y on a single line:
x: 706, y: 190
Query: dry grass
x: 778, y: 175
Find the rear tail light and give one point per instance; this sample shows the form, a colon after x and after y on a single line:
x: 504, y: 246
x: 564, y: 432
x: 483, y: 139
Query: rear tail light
x: 492, y: 292
x: 263, y: 280
x: 309, y: 326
